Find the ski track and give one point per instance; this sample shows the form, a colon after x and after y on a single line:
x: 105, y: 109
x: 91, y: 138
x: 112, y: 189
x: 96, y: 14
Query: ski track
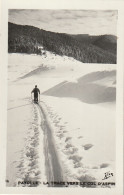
x: 29, y: 169
x: 53, y: 167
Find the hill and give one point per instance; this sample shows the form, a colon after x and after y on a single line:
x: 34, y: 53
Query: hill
x: 87, y: 49
x: 105, y: 42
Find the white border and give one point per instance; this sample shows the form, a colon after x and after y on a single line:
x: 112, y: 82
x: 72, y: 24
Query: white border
x: 61, y: 4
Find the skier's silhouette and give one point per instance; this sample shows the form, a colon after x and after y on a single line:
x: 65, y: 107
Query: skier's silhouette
x: 35, y: 91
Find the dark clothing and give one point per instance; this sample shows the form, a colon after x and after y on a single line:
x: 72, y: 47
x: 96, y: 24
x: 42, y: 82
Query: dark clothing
x: 36, y: 91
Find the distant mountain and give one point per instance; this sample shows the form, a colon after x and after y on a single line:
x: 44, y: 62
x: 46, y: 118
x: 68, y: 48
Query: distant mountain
x: 85, y: 48
x: 105, y: 42
x: 85, y: 38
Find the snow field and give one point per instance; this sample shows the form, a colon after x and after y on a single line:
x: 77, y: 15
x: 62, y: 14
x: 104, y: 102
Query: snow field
x: 84, y: 155
x: 84, y: 134
x: 17, y: 122
x: 58, y: 67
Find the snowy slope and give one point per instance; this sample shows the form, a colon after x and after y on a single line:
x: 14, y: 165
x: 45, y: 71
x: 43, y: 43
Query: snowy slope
x: 82, y: 122
x: 84, y: 139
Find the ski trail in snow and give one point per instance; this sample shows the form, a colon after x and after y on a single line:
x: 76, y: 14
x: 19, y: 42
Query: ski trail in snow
x: 53, y: 167
x: 31, y: 168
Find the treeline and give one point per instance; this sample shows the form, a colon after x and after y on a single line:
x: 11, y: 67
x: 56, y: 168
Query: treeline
x: 29, y: 39
x: 23, y: 44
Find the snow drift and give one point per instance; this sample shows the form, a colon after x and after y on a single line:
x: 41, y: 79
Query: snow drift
x: 88, y: 88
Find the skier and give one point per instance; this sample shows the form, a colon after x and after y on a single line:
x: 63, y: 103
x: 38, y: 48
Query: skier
x: 35, y: 91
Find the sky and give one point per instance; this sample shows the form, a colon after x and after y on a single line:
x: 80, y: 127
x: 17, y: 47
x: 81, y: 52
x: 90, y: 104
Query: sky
x: 93, y: 22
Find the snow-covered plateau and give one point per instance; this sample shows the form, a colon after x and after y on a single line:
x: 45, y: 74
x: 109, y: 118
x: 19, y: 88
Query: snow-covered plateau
x: 69, y: 136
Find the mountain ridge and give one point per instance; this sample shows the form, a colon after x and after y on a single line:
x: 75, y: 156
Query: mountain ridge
x: 87, y: 49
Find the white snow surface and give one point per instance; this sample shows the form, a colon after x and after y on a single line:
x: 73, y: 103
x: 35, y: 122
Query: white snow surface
x: 84, y: 133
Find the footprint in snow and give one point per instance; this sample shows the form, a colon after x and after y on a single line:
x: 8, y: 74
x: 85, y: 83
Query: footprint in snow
x: 62, y: 126
x: 56, y: 124
x: 37, y: 173
x: 104, y: 165
x: 73, y: 150
x: 33, y: 164
x: 75, y: 158
x: 87, y: 146
x: 35, y: 144
x: 68, y: 145
x: 68, y: 138
x: 60, y: 135
x: 78, y: 164
x: 80, y: 137
x: 86, y: 178
x: 95, y: 167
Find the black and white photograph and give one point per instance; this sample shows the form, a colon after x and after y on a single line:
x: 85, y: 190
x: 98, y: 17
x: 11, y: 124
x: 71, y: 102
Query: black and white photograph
x: 61, y: 125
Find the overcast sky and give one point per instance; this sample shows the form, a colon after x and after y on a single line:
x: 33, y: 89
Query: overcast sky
x: 68, y: 21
